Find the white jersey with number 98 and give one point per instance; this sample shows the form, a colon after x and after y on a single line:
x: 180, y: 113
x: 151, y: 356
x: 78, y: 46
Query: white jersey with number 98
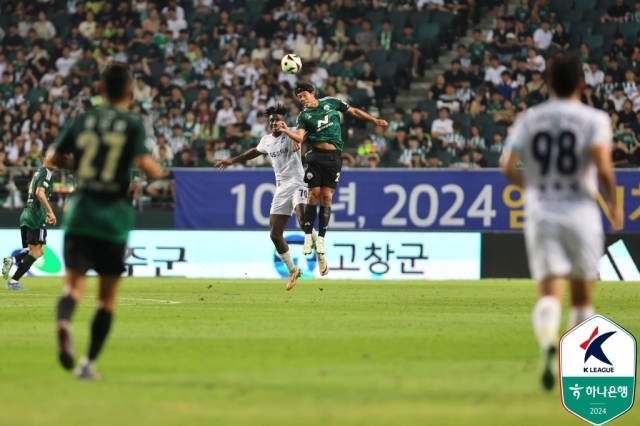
x: 554, y: 141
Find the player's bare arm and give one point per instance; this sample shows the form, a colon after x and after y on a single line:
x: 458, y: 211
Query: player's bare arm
x: 298, y: 136
x: 509, y: 166
x: 149, y: 166
x: 42, y: 197
x: 601, y: 157
x: 362, y: 115
x: 246, y: 156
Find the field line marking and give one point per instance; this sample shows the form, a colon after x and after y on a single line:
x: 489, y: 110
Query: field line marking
x: 170, y: 302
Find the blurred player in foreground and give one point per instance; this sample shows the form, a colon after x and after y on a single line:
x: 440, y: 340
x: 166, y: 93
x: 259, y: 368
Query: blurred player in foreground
x: 33, y: 222
x: 105, y: 143
x: 291, y: 192
x: 566, y: 150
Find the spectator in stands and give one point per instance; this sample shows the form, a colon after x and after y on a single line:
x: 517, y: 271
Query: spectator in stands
x: 523, y: 11
x: 443, y: 125
x: 465, y: 94
x: 535, y: 62
x: 618, y: 98
x: 408, y: 41
x: 463, y: 162
x: 478, y: 48
x: 44, y: 28
x: 620, y: 50
x: 438, y: 88
x: 594, y: 76
x: 476, y: 141
x: 543, y: 36
x: 330, y: 55
x: 627, y: 115
x: 418, y: 119
x: 493, y: 74
x: 561, y: 39
x: 308, y: 50
x: 454, y: 141
x: 455, y: 74
x: 541, y: 12
x: 618, y: 12
x: 497, y: 38
x: 449, y: 99
x: 183, y: 159
x: 478, y: 159
x: 367, y: 153
x: 497, y: 145
x: 365, y: 38
x: 510, y: 50
x: 413, y: 155
x: 507, y: 87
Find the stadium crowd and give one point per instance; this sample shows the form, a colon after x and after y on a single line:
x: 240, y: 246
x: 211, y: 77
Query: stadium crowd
x: 205, y: 69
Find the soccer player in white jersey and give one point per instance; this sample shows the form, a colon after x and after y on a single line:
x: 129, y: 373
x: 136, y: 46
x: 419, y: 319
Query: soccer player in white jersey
x: 566, y: 150
x: 291, y: 191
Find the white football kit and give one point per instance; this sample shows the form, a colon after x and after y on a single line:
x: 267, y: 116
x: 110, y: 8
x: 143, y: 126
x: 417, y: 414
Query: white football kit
x: 563, y: 229
x: 287, y: 165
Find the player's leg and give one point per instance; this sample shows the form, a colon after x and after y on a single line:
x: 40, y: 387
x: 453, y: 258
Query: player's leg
x: 330, y: 178
x: 322, y: 262
x: 74, y: 287
x: 585, y: 245
x: 277, y: 224
x: 100, y: 326
x: 8, y: 262
x: 326, y: 197
x: 36, y: 239
x: 581, y: 301
x: 549, y: 265
x: 313, y: 178
x: 109, y: 265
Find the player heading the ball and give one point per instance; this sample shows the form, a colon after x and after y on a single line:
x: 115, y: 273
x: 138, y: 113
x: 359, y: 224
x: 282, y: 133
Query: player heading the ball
x: 319, y: 124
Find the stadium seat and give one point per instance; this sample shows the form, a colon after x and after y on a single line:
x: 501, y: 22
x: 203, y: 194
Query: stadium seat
x: 375, y: 17
x: 35, y: 97
x: 560, y: 6
x: 594, y: 41
x: 445, y: 158
x: 359, y: 97
x: 388, y: 70
x: 190, y: 95
x: 429, y: 106
x: 594, y: 15
x: 465, y: 120
x: 398, y: 19
x: 573, y: 16
x: 216, y: 56
x: 482, y: 120
x: 629, y: 29
x: 583, y: 4
x: 417, y: 19
x: 607, y: 29
x: 493, y: 158
x: 428, y: 33
x: 377, y: 57
x: 402, y: 58
x: 336, y: 68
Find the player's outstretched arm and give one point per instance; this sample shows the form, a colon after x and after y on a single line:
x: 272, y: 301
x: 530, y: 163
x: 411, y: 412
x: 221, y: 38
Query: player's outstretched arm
x: 601, y: 157
x: 246, y: 156
x: 509, y: 166
x: 149, y: 166
x: 362, y: 115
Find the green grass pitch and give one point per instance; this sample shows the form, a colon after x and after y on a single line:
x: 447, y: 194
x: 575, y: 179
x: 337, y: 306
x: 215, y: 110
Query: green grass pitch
x: 326, y: 353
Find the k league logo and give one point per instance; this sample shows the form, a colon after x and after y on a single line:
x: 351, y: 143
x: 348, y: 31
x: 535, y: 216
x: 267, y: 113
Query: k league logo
x: 598, y: 370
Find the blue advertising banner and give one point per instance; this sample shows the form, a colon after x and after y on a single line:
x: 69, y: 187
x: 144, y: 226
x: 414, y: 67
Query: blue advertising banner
x: 438, y: 200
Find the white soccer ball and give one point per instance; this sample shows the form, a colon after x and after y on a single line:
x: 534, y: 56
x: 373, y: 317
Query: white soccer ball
x: 291, y: 64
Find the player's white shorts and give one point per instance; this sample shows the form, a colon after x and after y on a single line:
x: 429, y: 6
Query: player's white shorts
x: 564, y: 242
x: 287, y: 196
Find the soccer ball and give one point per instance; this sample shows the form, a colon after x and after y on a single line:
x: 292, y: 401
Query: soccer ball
x: 291, y: 64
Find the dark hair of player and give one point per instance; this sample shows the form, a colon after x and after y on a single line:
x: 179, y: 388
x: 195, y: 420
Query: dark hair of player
x: 565, y: 75
x: 279, y: 109
x: 116, y: 80
x: 303, y: 87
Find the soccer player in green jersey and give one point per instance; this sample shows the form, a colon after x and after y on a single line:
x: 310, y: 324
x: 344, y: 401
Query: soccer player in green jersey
x: 319, y: 124
x: 33, y: 222
x: 105, y: 143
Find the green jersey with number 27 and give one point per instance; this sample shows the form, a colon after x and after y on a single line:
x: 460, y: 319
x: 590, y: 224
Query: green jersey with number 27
x: 322, y: 123
x: 104, y: 141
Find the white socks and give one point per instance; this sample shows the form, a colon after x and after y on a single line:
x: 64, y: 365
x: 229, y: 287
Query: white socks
x: 314, y: 235
x: 579, y: 314
x: 546, y: 321
x: 286, y: 258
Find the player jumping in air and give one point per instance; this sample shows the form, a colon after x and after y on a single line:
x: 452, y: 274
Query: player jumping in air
x: 291, y: 191
x: 319, y: 124
x: 33, y: 222
x: 566, y: 149
x: 105, y: 143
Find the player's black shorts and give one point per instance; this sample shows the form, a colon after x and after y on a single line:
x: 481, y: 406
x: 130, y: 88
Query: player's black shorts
x: 84, y: 253
x: 33, y: 237
x: 323, y: 168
